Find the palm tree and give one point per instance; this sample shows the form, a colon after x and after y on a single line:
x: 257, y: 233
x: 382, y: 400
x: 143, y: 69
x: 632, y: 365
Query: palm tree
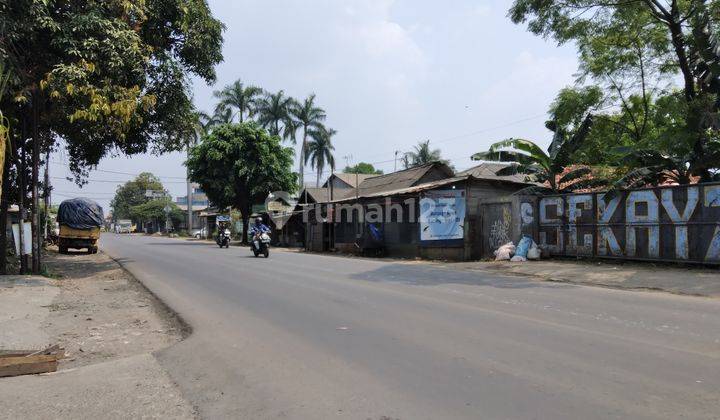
x: 422, y: 155
x: 273, y: 111
x: 528, y: 158
x: 319, y: 150
x: 222, y: 115
x: 241, y: 97
x: 203, y: 124
x: 309, y: 117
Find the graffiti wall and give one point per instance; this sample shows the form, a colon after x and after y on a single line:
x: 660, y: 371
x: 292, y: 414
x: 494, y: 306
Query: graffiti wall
x: 680, y: 223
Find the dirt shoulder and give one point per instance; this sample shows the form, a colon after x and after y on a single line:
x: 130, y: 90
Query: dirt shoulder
x: 671, y: 278
x: 109, y: 325
x: 693, y: 280
x: 102, y: 312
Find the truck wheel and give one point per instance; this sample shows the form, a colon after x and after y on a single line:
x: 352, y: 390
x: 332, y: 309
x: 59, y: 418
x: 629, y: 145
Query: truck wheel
x: 94, y: 250
x: 63, y: 249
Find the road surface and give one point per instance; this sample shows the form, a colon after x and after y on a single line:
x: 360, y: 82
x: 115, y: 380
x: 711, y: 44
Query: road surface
x: 304, y: 336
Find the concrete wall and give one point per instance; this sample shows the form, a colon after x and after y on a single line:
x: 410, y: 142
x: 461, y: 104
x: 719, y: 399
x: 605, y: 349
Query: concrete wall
x: 403, y: 239
x: 680, y: 223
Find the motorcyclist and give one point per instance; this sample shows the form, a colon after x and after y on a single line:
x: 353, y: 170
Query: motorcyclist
x: 223, y: 230
x: 259, y: 227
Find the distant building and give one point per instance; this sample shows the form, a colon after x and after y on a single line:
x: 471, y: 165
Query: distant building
x: 200, y: 204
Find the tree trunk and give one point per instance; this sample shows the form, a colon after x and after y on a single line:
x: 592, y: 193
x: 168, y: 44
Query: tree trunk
x: 4, y: 204
x: 35, y: 221
x: 317, y: 180
x: 301, y: 163
x: 678, y: 42
x: 245, y: 209
x: 3, y: 145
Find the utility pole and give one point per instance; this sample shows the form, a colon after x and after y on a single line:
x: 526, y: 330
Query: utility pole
x: 189, y: 198
x: 46, y: 194
x: 21, y: 203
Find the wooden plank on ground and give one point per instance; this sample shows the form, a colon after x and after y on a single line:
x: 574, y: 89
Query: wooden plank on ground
x: 27, y: 362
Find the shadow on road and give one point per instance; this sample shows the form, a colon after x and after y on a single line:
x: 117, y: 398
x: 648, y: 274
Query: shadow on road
x: 181, y: 243
x: 429, y: 276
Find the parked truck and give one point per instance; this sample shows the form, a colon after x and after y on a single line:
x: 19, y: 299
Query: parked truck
x: 80, y: 220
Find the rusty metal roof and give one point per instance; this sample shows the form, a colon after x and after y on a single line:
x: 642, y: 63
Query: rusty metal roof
x: 488, y: 170
x: 351, y: 179
x: 400, y: 179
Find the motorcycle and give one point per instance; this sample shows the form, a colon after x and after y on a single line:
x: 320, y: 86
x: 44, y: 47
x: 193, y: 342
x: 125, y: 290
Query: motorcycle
x: 223, y: 239
x: 260, y: 244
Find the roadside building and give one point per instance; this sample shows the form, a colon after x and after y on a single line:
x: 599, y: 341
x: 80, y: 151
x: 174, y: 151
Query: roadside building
x: 426, y: 211
x: 199, y: 204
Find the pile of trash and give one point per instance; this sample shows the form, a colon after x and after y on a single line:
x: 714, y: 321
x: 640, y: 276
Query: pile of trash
x: 526, y: 249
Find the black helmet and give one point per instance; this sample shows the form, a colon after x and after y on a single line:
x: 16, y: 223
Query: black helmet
x: 258, y: 220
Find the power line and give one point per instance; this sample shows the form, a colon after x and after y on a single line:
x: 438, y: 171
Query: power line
x: 119, y: 173
x: 111, y: 181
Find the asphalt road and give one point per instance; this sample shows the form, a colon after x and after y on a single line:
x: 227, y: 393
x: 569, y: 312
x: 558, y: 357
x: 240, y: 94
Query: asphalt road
x: 304, y: 336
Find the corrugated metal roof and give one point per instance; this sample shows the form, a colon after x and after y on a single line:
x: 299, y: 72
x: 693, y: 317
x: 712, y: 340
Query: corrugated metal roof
x: 412, y: 189
x: 400, y: 179
x: 352, y: 179
x: 488, y: 170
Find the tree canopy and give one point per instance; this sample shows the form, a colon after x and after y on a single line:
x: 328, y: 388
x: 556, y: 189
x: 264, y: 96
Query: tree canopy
x: 238, y: 165
x: 132, y: 194
x: 632, y: 54
x: 422, y: 154
x: 362, y: 168
x: 320, y: 151
x: 155, y: 210
x: 108, y: 76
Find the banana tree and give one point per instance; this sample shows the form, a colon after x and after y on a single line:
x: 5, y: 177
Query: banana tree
x: 551, y: 170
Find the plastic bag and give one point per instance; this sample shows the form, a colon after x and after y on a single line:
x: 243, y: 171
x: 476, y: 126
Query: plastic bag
x: 534, y: 252
x: 523, y: 246
x: 504, y: 252
x: 80, y: 213
x: 518, y: 258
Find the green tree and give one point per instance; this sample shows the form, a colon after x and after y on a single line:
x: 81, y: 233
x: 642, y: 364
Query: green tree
x: 240, y: 97
x: 319, y: 151
x: 629, y: 46
x: 528, y: 158
x: 238, y: 165
x: 132, y: 194
x: 308, y: 116
x: 104, y: 76
x: 154, y: 210
x: 109, y: 76
x: 362, y: 168
x: 422, y: 154
x: 274, y: 114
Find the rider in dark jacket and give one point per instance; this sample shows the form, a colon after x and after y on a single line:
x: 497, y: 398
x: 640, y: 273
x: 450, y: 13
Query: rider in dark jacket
x: 259, y: 227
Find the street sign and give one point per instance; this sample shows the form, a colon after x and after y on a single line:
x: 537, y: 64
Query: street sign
x: 154, y: 194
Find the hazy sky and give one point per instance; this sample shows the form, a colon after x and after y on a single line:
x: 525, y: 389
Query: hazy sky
x: 389, y: 73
